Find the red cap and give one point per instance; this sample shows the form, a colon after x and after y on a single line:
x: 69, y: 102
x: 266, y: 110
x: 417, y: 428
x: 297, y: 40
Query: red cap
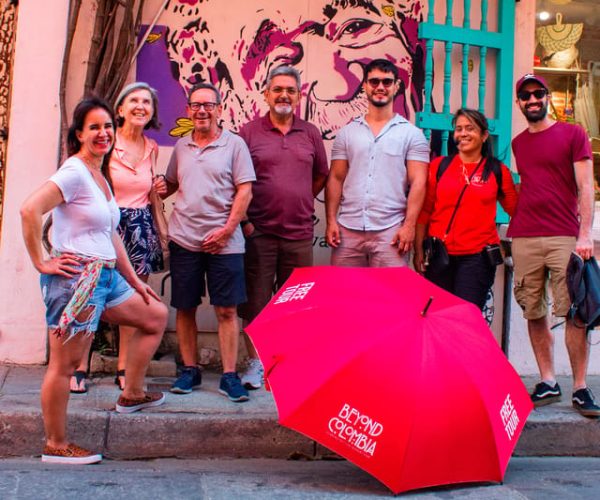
x: 530, y: 77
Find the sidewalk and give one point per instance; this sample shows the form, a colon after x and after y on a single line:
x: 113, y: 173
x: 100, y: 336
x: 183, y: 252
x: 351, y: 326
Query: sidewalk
x: 206, y: 424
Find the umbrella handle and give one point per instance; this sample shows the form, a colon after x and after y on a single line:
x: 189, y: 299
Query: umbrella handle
x: 424, y: 311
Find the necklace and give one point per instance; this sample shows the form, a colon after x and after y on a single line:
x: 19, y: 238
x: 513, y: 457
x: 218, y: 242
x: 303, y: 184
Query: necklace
x: 132, y: 150
x: 89, y: 164
x: 465, y: 174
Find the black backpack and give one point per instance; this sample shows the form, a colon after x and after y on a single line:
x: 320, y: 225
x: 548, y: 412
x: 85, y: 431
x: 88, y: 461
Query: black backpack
x: 495, y: 165
x: 583, y: 282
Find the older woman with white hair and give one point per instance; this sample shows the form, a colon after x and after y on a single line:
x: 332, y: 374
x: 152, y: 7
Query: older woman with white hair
x: 131, y: 174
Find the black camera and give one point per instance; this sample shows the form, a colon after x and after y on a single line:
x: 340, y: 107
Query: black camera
x: 494, y: 254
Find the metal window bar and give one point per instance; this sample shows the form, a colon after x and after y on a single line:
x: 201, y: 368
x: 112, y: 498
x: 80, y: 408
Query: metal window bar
x: 502, y: 41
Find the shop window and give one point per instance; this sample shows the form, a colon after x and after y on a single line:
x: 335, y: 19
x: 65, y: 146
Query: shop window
x: 567, y: 55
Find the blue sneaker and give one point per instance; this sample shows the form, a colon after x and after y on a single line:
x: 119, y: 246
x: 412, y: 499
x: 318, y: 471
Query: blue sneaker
x: 583, y: 402
x: 231, y: 386
x: 544, y: 394
x: 190, y: 378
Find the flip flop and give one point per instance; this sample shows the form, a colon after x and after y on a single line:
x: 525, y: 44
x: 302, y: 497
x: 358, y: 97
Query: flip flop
x: 80, y: 379
x: 120, y: 373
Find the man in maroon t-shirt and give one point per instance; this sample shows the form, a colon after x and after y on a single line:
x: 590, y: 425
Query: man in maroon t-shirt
x: 553, y: 218
x: 291, y: 168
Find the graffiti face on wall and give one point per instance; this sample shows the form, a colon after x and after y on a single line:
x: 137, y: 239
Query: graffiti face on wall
x: 234, y: 44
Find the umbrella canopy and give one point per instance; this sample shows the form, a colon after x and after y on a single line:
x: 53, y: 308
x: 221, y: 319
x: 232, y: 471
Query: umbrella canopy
x: 395, y: 374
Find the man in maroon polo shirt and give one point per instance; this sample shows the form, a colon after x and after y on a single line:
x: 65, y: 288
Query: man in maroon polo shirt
x: 291, y: 168
x: 553, y: 218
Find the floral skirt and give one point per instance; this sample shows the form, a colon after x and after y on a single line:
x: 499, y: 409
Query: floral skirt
x: 141, y: 240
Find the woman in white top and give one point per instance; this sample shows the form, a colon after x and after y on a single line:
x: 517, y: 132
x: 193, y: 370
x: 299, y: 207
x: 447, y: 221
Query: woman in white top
x: 87, y: 277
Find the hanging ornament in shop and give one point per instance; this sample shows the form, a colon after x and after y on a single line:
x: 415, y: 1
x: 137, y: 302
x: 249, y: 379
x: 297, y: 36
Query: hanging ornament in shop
x: 558, y: 42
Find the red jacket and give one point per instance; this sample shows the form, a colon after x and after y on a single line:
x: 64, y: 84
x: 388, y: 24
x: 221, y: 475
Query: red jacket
x: 474, y: 225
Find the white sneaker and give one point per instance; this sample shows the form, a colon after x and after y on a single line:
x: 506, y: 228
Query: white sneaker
x: 253, y: 377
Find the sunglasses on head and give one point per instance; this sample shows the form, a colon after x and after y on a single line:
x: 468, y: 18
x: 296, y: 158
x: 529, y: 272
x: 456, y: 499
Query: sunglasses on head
x: 524, y: 95
x: 374, y: 82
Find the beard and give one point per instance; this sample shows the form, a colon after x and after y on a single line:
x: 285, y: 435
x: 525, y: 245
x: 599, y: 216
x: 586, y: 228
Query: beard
x: 283, y: 108
x: 537, y: 115
x: 379, y: 104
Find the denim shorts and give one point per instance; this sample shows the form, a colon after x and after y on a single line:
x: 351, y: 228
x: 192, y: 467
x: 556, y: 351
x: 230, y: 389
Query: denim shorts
x: 111, y: 290
x: 224, y: 276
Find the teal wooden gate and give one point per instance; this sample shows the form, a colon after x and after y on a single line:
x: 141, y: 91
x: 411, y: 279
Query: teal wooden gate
x: 467, y: 37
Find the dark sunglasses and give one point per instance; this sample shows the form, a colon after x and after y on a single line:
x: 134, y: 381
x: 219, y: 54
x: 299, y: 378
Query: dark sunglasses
x: 374, y: 82
x: 524, y: 95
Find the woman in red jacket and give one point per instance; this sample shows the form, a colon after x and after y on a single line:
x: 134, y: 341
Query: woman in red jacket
x: 471, y: 238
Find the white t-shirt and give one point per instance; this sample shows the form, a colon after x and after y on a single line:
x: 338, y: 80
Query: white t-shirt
x: 85, y: 222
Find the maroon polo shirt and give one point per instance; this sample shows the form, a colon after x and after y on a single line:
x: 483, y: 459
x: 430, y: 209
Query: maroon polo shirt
x: 285, y: 165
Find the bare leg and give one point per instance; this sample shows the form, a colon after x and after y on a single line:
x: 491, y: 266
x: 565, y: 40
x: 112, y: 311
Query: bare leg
x: 579, y: 351
x: 252, y: 354
x: 542, y: 342
x: 229, y: 334
x: 125, y: 335
x: 55, y: 387
x: 149, y: 322
x: 187, y: 335
x: 83, y: 366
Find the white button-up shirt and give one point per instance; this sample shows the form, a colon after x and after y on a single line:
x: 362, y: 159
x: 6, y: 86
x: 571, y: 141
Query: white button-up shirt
x: 376, y: 187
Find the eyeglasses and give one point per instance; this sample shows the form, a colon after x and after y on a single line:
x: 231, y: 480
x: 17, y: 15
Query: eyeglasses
x: 287, y: 90
x: 374, y: 82
x: 197, y: 106
x: 525, y: 95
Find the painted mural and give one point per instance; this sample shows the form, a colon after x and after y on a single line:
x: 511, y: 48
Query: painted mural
x: 235, y: 43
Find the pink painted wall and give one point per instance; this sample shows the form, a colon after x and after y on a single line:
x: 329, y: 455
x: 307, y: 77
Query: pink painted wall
x: 32, y: 157
x: 32, y: 149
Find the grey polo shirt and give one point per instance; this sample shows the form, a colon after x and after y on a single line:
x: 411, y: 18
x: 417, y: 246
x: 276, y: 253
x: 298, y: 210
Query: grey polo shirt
x: 207, y: 178
x: 375, y: 190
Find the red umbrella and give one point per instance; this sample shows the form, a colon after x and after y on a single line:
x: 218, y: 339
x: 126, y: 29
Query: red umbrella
x: 393, y: 373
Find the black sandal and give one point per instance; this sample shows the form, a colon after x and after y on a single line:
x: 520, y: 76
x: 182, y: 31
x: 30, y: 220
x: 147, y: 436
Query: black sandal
x: 80, y: 377
x: 120, y: 373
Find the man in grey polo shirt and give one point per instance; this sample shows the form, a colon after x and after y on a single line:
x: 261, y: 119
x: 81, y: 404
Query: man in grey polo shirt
x: 377, y: 179
x: 211, y: 171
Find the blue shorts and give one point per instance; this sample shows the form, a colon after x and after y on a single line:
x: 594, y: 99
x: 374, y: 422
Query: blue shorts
x: 224, y: 275
x: 111, y: 290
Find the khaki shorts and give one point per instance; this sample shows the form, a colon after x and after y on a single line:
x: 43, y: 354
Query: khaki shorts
x: 535, y: 258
